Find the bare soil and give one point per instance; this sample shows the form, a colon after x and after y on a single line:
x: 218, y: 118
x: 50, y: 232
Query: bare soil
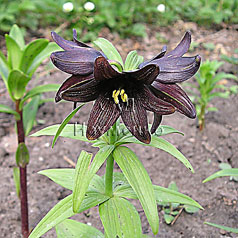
x: 205, y: 150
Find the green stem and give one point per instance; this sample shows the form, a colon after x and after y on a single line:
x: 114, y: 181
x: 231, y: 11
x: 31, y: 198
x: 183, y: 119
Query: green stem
x: 110, y: 163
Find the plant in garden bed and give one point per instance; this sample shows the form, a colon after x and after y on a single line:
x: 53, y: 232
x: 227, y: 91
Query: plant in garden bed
x: 119, y: 89
x: 233, y: 174
x: 16, y: 71
x: 209, y: 80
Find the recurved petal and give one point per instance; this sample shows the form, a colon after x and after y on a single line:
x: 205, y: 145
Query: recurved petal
x: 70, y: 82
x: 155, y: 104
x: 135, y: 118
x: 160, y: 55
x: 176, y: 70
x: 103, y: 115
x: 173, y: 94
x: 80, y: 61
x: 82, y: 92
x: 79, y: 43
x: 103, y: 70
x: 182, y: 47
x: 64, y: 44
x: 145, y: 75
x: 156, y: 122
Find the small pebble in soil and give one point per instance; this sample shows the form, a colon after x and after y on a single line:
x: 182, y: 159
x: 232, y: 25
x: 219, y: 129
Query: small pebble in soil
x: 41, y: 158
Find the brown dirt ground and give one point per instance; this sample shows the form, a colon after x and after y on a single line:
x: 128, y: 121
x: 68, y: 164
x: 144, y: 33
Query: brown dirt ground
x: 217, y: 143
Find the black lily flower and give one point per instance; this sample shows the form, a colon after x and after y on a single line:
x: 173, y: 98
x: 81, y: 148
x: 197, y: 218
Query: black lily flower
x: 127, y: 94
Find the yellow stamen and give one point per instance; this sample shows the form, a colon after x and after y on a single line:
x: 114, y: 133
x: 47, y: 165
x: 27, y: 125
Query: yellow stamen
x: 120, y: 92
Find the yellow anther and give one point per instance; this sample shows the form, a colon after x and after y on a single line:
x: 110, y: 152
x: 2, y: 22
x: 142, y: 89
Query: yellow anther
x: 122, y: 92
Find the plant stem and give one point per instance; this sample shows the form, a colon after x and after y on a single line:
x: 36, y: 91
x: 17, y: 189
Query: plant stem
x: 202, y: 118
x: 110, y: 163
x: 23, y: 177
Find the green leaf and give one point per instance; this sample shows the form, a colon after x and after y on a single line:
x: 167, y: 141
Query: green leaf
x: 166, y: 195
x: 51, y: 47
x: 133, y: 60
x: 73, y: 131
x: 139, y: 180
x: 63, y: 177
x: 191, y: 209
x: 64, y: 123
x: 22, y: 155
x: 81, y: 179
x: 71, y: 228
x: 225, y: 228
x: 222, y: 173
x: 33, y: 49
x: 17, y: 82
x: 16, y: 178
x: 63, y: 210
x: 14, y: 52
x: 29, y: 114
x: 120, y: 218
x: 4, y: 68
x: 163, y: 145
x: 224, y: 166
x: 6, y: 109
x: 108, y: 49
x: 38, y: 90
x: 173, y: 186
x: 17, y: 35
x: 168, y: 218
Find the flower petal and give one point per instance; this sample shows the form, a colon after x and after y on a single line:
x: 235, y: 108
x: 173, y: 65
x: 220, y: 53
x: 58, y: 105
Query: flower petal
x: 182, y: 47
x: 155, y: 104
x: 135, y: 118
x: 176, y: 70
x: 156, y: 122
x: 78, y: 61
x: 82, y: 92
x: 70, y: 82
x: 173, y: 94
x: 102, y: 117
x: 79, y: 43
x: 145, y: 75
x: 64, y: 44
x: 103, y: 70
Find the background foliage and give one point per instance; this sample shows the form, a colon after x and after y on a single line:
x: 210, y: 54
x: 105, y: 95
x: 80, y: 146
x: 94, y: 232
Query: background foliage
x: 124, y: 17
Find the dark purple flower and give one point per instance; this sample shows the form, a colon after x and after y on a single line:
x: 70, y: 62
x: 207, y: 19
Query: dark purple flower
x: 127, y: 94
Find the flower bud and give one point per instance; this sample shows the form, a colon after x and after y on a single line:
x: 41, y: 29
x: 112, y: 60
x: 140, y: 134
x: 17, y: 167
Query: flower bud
x: 68, y: 7
x: 161, y: 8
x: 89, y: 6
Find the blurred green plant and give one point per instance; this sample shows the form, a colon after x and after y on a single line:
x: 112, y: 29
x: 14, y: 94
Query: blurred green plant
x: 16, y: 71
x: 125, y: 17
x: 232, y: 173
x: 208, y: 80
x: 171, y: 211
x: 232, y: 60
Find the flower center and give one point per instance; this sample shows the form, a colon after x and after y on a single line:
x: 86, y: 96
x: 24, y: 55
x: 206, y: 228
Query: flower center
x: 117, y: 93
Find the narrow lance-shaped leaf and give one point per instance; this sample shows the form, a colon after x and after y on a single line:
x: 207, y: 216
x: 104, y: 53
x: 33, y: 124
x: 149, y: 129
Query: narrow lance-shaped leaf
x: 139, y: 180
x: 6, y: 109
x: 38, y: 90
x: 120, y: 218
x: 33, y: 49
x: 162, y: 144
x: 81, y: 179
x: 222, y: 173
x: 22, y: 155
x: 77, y: 132
x: 71, y: 228
x: 133, y: 60
x: 16, y: 177
x: 29, y: 114
x: 17, y: 82
x: 14, y: 52
x: 108, y: 49
x: 4, y: 68
x: 64, y: 123
x: 17, y: 35
x: 63, y: 210
x: 225, y: 228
